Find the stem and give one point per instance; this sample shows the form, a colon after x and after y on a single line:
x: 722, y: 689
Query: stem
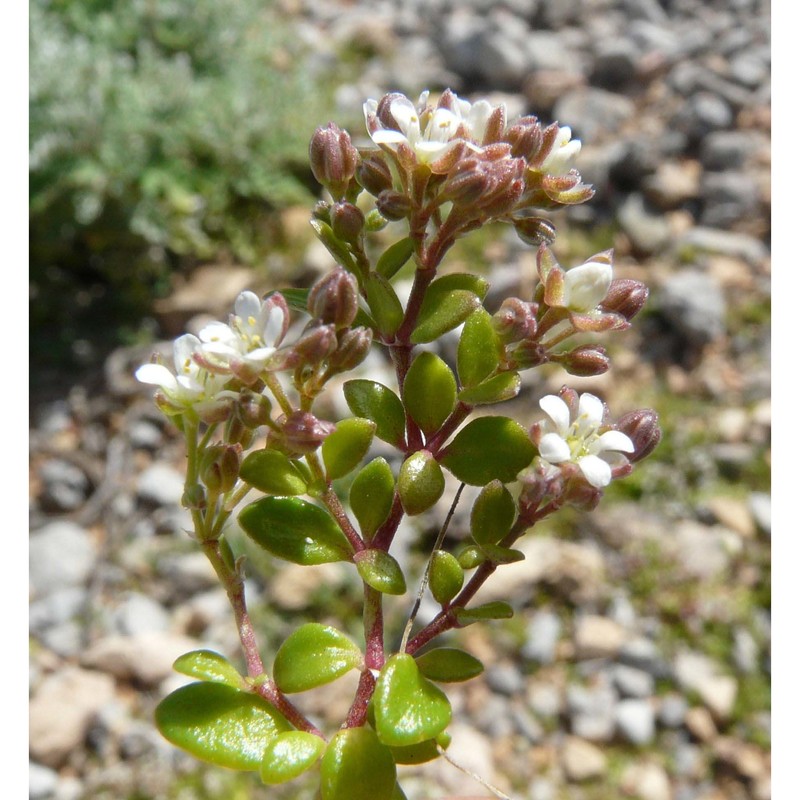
x: 373, y: 628
x: 277, y: 390
x: 357, y: 715
x: 438, y: 439
x: 384, y: 535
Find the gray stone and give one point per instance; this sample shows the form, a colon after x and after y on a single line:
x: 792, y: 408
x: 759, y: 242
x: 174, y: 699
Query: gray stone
x: 542, y: 633
x: 581, y: 760
x: 672, y: 711
x: 760, y: 504
x: 726, y: 243
x: 545, y: 699
x: 673, y: 184
x: 701, y: 674
x: 527, y: 724
x: 650, y: 10
x: 749, y: 70
x: 138, y: 613
x: 61, y: 555
x: 636, y: 721
x: 724, y: 150
x: 745, y: 651
x: 187, y: 574
x: 42, y: 781
x: 646, y: 781
x: 556, y: 14
x: 506, y: 61
x: 695, y: 305
x: 493, y: 717
x: 703, y: 113
x: 61, y: 711
x: 56, y: 608
x: 644, y: 654
x: 593, y: 113
x: 591, y: 712
x: 65, y: 485
x: 632, y: 682
x: 505, y: 678
x: 544, y: 51
x: 615, y: 64
x: 598, y: 637
x: 161, y: 485
x: 66, y: 639
x: 145, y: 434
x: 648, y: 231
x: 728, y: 197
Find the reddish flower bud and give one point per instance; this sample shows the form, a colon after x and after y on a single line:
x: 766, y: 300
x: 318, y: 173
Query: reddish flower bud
x: 353, y: 348
x: 254, y: 409
x: 393, y: 205
x: 515, y: 320
x: 466, y: 182
x: 333, y: 158
x: 301, y: 433
x: 333, y: 300
x: 374, y: 175
x: 534, y: 230
x: 625, y: 297
x: 527, y: 354
x: 219, y: 467
x: 347, y: 221
x: 585, y: 361
x: 525, y: 138
x: 642, y: 428
x: 315, y: 345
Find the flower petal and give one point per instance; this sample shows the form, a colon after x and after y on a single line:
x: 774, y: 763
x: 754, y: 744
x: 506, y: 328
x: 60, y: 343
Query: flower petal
x: 591, y: 410
x: 554, y: 449
x: 157, y: 375
x: 557, y: 410
x: 595, y: 470
x: 248, y: 304
x: 615, y: 440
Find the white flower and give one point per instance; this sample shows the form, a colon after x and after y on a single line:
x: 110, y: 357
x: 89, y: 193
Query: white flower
x: 191, y: 386
x: 565, y: 149
x: 245, y: 344
x: 586, y: 286
x: 432, y: 132
x: 578, y: 440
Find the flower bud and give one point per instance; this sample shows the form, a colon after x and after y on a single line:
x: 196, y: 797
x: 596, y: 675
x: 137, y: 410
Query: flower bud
x: 333, y: 158
x: 393, y: 205
x: 254, y: 410
x: 374, y: 175
x: 333, y: 299
x: 527, y: 354
x: 534, y: 230
x: 625, y: 297
x: 466, y: 183
x: 219, y: 467
x: 315, y: 345
x: 642, y: 429
x: 353, y: 348
x: 515, y: 320
x: 585, y: 361
x: 525, y: 138
x: 194, y: 498
x: 347, y: 221
x: 301, y: 433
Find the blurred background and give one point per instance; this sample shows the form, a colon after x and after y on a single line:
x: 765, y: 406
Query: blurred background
x: 168, y: 172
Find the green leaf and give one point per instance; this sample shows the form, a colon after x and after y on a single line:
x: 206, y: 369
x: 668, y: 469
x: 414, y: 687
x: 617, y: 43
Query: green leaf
x: 416, y: 753
x: 457, y: 281
x: 343, y: 449
x: 429, y: 391
x: 408, y: 708
x: 371, y: 495
x: 441, y: 315
x: 380, y: 571
x: 489, y: 448
x: 356, y: 766
x: 206, y: 665
x: 502, y: 555
x: 219, y: 724
x: 394, y: 258
x: 296, y: 299
x: 313, y: 655
x: 273, y: 472
x: 446, y: 577
x: 295, y: 530
x: 336, y: 247
x: 479, y: 349
x: 380, y: 404
x: 493, y: 390
x: 449, y: 665
x: 470, y: 557
x: 496, y: 610
x: 493, y: 514
x: 384, y: 305
x: 289, y: 755
x: 420, y: 482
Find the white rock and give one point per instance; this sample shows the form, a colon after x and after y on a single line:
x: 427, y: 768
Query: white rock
x: 61, y: 555
x: 636, y: 721
x: 61, y: 711
x: 598, y: 637
x: 646, y: 782
x: 581, y: 760
x: 699, y: 673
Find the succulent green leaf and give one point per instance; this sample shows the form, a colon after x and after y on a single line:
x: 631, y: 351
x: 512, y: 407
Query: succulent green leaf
x: 290, y: 754
x: 429, y: 391
x: 273, y: 472
x: 457, y: 281
x: 493, y: 390
x: 295, y: 530
x: 416, y: 753
x: 395, y: 256
x: 408, y: 708
x: 356, y: 766
x: 496, y: 610
x: 313, y: 655
x: 219, y: 724
x: 371, y: 495
x: 448, y: 311
x: 336, y: 247
x: 446, y: 577
x: 471, y: 557
x: 380, y: 571
x: 384, y: 304
x: 449, y: 665
x: 502, y: 555
x: 206, y: 665
x: 479, y: 349
x: 492, y: 514
x: 420, y: 482
x: 343, y: 449
x: 379, y: 403
x: 489, y: 448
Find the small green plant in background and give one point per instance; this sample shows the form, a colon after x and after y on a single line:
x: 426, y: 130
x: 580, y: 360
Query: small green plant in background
x: 245, y: 395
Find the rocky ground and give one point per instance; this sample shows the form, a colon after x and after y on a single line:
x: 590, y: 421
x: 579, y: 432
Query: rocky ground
x: 638, y: 663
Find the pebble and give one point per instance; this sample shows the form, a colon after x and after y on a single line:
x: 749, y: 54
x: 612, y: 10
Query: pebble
x: 647, y: 781
x: 61, y: 555
x: 160, y: 485
x: 598, y: 637
x: 760, y: 505
x: 728, y: 243
x: 66, y: 486
x: 672, y: 711
x: 701, y: 674
x: 42, y: 782
x: 632, y: 682
x: 61, y: 711
x: 636, y: 721
x: 591, y: 712
x: 693, y: 303
x: 542, y: 635
x: 648, y: 231
x: 138, y: 613
x: 582, y: 761
x: 505, y: 678
x: 644, y: 654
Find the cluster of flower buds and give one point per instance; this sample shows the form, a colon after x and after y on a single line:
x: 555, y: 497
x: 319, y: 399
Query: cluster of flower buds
x: 580, y: 451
